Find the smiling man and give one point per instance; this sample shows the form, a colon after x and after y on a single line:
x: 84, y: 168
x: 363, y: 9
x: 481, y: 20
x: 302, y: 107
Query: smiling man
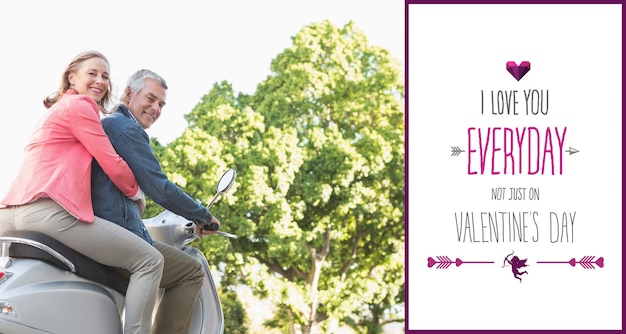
x: 142, y: 102
x: 144, y: 99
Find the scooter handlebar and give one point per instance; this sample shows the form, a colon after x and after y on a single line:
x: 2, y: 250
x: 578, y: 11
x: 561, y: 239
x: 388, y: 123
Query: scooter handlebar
x: 215, y: 227
x: 226, y: 234
x: 210, y: 227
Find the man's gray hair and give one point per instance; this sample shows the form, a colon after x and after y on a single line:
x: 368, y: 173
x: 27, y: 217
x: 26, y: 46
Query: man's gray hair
x: 138, y: 80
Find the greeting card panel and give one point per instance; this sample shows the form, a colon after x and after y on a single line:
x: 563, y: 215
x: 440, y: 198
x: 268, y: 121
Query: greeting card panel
x: 514, y: 167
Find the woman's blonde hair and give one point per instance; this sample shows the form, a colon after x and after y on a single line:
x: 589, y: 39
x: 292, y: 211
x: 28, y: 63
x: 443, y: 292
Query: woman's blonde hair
x: 65, y: 82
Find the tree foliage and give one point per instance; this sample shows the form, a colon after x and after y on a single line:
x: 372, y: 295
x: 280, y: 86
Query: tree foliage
x: 236, y: 319
x: 319, y: 198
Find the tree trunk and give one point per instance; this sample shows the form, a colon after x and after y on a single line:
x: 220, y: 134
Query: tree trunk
x: 317, y: 258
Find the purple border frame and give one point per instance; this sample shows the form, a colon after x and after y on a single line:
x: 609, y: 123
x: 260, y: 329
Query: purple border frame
x: 406, y: 138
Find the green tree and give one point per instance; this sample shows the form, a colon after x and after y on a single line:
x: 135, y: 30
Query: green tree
x: 235, y: 316
x: 319, y: 199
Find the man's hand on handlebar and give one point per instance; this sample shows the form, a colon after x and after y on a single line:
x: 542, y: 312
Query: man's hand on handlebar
x: 208, y: 229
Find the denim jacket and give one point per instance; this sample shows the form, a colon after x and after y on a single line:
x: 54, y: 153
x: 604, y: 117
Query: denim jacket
x: 132, y: 143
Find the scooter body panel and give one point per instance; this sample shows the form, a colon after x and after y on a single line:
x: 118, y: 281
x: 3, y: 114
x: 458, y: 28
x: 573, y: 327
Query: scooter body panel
x: 207, y: 317
x: 46, y: 299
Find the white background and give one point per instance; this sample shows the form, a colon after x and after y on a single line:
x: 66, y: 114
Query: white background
x: 455, y: 51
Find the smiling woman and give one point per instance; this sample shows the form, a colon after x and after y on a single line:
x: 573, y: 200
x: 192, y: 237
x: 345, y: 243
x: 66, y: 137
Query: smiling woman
x: 52, y: 190
x: 89, y: 75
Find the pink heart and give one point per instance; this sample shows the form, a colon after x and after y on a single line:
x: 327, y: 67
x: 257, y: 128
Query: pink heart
x: 518, y: 71
x: 572, y: 262
x: 431, y: 262
x: 600, y: 262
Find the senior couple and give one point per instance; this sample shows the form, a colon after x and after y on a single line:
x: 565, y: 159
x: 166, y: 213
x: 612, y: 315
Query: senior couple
x: 83, y: 180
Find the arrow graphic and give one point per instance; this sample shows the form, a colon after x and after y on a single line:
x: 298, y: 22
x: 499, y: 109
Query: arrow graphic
x: 571, y: 151
x: 456, y: 151
x: 444, y: 262
x: 586, y: 262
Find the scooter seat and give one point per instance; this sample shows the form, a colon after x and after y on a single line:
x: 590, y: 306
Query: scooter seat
x: 83, y: 265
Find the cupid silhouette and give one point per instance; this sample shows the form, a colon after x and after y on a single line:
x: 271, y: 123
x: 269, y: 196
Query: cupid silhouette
x: 516, y: 264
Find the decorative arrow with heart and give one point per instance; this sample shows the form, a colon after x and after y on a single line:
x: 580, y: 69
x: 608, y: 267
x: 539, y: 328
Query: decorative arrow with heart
x: 445, y: 262
x: 586, y: 262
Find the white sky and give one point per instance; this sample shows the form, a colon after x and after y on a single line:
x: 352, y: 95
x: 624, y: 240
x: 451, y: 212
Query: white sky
x: 192, y: 44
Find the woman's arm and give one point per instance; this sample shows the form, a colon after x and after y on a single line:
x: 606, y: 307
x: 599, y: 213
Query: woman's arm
x: 87, y: 128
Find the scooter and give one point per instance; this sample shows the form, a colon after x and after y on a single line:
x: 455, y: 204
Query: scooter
x: 46, y: 287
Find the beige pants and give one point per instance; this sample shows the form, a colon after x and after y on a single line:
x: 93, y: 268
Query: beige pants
x: 104, y: 242
x: 181, y: 281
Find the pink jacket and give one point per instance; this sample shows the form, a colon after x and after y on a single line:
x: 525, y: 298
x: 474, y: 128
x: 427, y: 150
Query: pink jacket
x: 57, y: 160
